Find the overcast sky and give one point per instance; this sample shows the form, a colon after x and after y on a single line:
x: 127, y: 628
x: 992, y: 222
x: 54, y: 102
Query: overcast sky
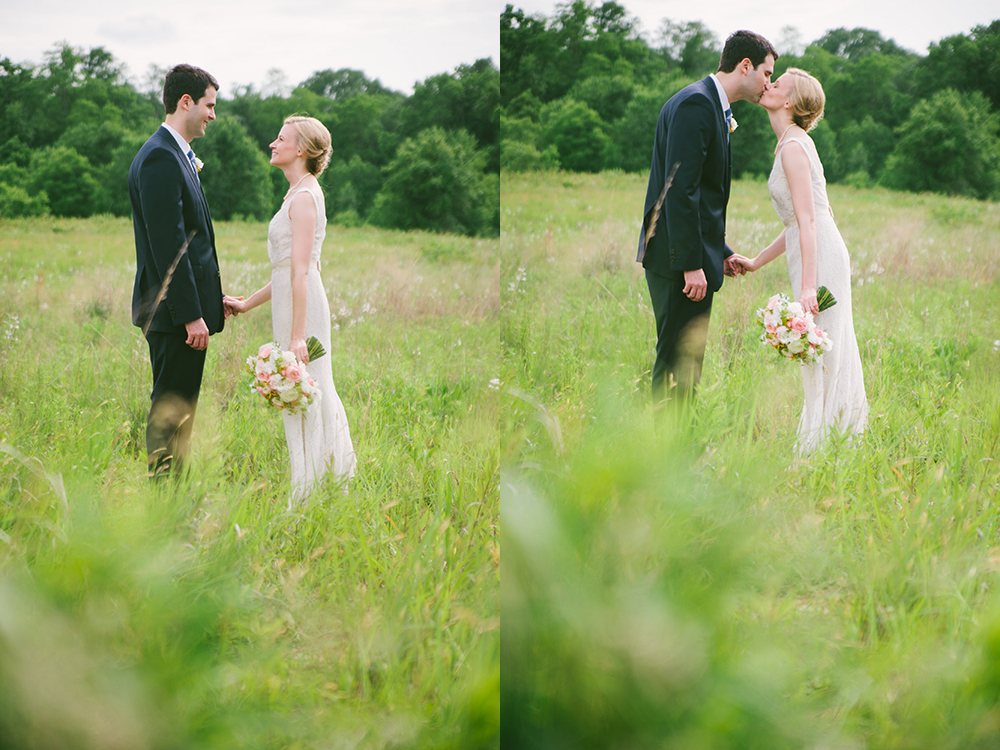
x: 913, y: 24
x: 239, y: 42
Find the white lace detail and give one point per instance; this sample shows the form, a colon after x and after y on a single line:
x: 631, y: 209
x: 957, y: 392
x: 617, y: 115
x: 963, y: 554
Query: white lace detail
x: 834, y: 386
x: 319, y: 440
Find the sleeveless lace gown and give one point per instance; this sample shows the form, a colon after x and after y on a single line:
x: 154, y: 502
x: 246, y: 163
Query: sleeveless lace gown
x: 834, y: 386
x: 318, y: 440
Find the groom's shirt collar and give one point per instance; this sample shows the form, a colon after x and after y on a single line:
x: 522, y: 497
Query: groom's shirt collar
x: 722, y: 92
x: 185, y: 146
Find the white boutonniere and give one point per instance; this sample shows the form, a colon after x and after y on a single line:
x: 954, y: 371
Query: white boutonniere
x: 198, y: 163
x: 733, y: 124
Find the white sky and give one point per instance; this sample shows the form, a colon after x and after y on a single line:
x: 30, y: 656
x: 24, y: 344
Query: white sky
x: 399, y: 42
x: 913, y: 24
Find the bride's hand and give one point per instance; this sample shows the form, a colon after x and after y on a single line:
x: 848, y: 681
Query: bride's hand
x: 808, y: 300
x: 233, y: 305
x: 300, y: 350
x: 749, y: 264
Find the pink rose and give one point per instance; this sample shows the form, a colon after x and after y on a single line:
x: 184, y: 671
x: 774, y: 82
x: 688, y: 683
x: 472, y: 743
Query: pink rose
x: 293, y: 373
x: 264, y: 351
x: 799, y: 324
x: 773, y: 301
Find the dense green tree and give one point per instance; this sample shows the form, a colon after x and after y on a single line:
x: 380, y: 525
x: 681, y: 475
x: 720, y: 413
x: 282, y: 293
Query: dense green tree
x: 16, y: 86
x: 15, y: 202
x: 606, y: 95
x: 852, y: 44
x: 520, y: 156
x: 963, y: 62
x: 577, y: 133
x: 752, y: 143
x: 948, y: 145
x: 865, y: 146
x: 632, y: 136
x: 236, y: 176
x: 67, y: 178
x: 436, y: 183
x: 343, y: 83
x: 468, y: 99
x: 15, y: 151
x: 690, y: 47
x: 351, y: 186
x: 113, y: 197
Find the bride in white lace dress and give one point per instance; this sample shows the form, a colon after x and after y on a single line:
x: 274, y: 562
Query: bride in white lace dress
x: 835, y: 399
x: 319, y: 441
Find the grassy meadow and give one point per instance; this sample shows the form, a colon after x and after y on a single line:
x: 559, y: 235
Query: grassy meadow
x: 204, y: 613
x: 694, y: 587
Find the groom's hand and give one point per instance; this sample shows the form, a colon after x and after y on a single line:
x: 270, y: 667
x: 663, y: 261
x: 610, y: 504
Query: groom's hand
x: 197, y: 334
x: 695, y: 285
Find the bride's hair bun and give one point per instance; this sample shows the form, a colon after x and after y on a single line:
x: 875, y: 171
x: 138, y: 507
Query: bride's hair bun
x: 807, y: 99
x: 313, y: 139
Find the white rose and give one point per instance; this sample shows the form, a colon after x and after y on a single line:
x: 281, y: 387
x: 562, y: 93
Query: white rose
x: 795, y: 309
x: 796, y: 347
x: 289, y: 395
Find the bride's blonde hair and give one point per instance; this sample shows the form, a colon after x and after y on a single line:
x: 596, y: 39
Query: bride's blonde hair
x: 807, y: 99
x: 312, y: 137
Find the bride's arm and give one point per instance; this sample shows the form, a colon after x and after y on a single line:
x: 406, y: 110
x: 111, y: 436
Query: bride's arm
x: 303, y: 215
x: 795, y: 162
x: 238, y: 305
x: 769, y: 253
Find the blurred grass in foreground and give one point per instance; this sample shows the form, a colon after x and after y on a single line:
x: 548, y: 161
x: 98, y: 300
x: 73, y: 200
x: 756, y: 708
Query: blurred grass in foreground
x: 203, y: 614
x: 698, y: 588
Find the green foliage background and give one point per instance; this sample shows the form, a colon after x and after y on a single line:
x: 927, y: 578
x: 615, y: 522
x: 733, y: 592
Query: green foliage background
x: 75, y: 122
x: 589, y: 84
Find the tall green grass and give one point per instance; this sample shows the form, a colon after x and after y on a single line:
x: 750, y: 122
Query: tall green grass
x: 698, y: 587
x: 203, y: 613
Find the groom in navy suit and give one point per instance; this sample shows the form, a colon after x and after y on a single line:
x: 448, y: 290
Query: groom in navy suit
x: 682, y: 245
x: 177, y: 297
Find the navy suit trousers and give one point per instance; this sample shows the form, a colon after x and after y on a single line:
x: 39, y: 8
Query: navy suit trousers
x: 177, y: 371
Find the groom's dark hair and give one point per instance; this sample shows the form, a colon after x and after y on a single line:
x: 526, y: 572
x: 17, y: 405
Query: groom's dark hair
x: 185, y: 79
x: 745, y: 44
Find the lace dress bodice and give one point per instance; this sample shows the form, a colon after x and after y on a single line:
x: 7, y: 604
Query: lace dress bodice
x: 279, y: 231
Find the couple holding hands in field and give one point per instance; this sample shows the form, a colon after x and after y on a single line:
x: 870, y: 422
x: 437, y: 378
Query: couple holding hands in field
x: 683, y: 249
x: 178, y: 301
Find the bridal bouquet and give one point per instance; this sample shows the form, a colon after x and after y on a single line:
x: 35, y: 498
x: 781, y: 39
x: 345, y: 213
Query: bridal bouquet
x: 281, y: 380
x: 792, y: 331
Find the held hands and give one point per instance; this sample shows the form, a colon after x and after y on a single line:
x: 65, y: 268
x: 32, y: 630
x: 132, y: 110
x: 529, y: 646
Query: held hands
x: 233, y: 305
x: 737, y: 265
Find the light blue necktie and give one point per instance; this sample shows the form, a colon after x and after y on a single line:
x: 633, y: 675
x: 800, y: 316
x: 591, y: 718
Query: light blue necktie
x: 729, y: 120
x: 193, y: 164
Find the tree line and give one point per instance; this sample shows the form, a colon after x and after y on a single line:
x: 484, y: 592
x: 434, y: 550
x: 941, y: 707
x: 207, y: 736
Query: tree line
x: 70, y: 127
x: 581, y: 91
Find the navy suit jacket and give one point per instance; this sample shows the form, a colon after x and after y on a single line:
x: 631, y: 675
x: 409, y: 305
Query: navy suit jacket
x: 691, y: 228
x: 167, y: 204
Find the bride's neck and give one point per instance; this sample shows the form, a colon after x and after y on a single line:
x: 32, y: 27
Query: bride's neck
x: 780, y: 121
x: 295, y: 175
